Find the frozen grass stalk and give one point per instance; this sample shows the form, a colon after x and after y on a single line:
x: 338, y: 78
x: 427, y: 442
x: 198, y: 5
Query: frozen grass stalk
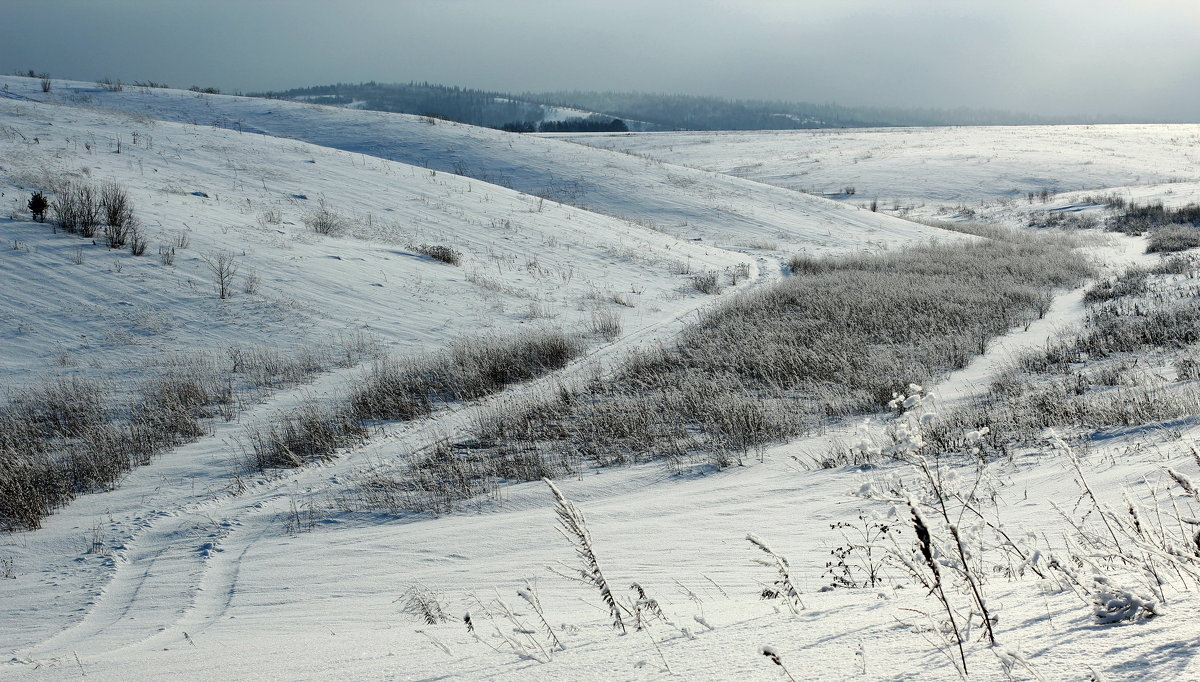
x: 574, y: 528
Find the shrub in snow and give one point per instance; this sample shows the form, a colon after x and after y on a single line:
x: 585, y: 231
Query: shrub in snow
x: 707, y: 283
x: 438, y: 252
x: 76, y: 208
x: 323, y: 220
x: 117, y: 211
x: 38, y: 203
x: 606, y: 323
x: 224, y: 268
x: 422, y: 603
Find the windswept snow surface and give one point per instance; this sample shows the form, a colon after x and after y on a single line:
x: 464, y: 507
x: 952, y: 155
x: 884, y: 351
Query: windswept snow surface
x: 195, y: 568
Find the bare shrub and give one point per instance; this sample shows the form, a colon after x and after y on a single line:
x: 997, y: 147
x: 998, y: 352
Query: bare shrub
x: 138, y: 242
x: 438, y: 252
x: 224, y: 268
x: 46, y: 83
x: 117, y: 211
x: 324, y: 220
x: 272, y: 216
x: 76, y: 208
x: 251, y: 282
x: 707, y: 283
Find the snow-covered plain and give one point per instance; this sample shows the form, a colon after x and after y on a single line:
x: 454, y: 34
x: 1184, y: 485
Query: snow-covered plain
x: 194, y: 568
x: 942, y: 166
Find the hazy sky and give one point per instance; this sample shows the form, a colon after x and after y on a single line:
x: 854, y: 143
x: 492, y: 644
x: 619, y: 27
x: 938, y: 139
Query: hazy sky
x: 1134, y: 57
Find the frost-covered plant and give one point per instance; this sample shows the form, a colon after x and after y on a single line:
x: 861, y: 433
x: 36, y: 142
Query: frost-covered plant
x: 439, y: 252
x: 606, y: 323
x: 773, y: 656
x: 1115, y: 604
x: 530, y: 595
x: 224, y: 267
x: 521, y: 640
x: 783, y: 587
x: 422, y: 603
x: 644, y: 608
x: 324, y: 220
x: 573, y: 527
x: 934, y: 582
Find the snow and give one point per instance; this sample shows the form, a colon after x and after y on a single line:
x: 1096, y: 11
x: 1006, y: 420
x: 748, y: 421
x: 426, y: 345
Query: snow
x: 947, y: 165
x: 193, y: 568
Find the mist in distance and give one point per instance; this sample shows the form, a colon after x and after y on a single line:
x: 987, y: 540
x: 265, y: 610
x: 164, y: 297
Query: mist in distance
x: 1089, y: 57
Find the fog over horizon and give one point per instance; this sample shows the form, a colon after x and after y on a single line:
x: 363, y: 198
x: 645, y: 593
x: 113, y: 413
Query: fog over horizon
x: 1053, y: 58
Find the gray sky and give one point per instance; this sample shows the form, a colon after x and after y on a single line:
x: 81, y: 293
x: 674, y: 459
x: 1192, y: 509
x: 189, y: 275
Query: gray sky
x: 1133, y: 57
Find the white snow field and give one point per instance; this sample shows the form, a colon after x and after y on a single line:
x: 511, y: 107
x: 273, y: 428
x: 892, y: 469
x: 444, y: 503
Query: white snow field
x: 942, y: 166
x: 196, y: 568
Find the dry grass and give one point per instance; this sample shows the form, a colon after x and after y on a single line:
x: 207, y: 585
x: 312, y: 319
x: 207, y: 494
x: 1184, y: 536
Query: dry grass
x: 70, y: 435
x: 837, y: 338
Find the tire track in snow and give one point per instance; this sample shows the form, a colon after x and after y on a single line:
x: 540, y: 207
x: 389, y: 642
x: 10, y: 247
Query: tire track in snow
x: 167, y: 582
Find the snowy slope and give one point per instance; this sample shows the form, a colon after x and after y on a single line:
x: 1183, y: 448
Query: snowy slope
x: 248, y: 195
x: 688, y: 203
x: 947, y: 165
x: 195, y: 569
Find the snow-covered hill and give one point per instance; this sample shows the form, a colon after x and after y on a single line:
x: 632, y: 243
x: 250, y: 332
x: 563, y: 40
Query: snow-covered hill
x: 681, y: 201
x: 197, y: 568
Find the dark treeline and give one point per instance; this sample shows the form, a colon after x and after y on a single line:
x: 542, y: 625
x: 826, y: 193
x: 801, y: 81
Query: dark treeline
x: 595, y: 123
x: 476, y: 107
x: 692, y: 112
x: 642, y: 111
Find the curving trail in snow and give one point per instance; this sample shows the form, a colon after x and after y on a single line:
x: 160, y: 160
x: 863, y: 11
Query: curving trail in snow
x: 177, y: 571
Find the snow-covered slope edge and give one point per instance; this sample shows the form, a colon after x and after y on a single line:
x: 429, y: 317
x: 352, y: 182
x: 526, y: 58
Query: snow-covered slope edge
x: 203, y: 191
x: 682, y: 201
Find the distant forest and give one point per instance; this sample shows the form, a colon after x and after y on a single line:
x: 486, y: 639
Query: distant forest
x: 581, y: 111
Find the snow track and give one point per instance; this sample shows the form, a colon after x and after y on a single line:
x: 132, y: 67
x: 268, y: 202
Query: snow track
x: 178, y: 572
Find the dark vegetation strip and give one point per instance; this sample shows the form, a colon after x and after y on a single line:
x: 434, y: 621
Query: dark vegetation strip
x: 402, y: 389
x: 837, y: 338
x: 1170, y: 230
x: 1091, y: 379
x: 73, y: 435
